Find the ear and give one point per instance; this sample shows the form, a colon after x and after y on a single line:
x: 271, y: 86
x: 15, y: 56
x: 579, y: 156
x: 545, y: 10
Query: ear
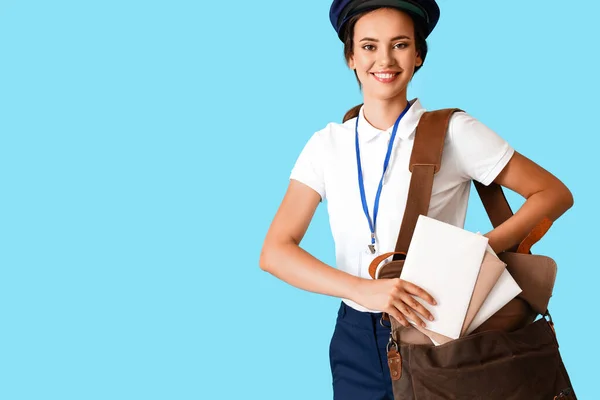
x: 418, y: 61
x: 351, y: 63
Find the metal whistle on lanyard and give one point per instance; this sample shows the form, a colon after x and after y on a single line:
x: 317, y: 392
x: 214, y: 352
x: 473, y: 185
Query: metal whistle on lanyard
x: 361, y: 184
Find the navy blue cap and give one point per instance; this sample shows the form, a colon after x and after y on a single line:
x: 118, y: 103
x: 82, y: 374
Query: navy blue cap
x: 426, y: 12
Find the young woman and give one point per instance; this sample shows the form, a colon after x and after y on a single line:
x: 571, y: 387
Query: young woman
x: 384, y: 43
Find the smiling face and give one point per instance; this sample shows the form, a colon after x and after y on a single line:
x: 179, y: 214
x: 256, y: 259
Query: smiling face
x: 384, y: 53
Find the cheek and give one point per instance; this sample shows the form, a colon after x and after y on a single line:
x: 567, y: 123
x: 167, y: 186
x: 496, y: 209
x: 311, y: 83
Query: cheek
x: 363, y: 64
x: 413, y: 59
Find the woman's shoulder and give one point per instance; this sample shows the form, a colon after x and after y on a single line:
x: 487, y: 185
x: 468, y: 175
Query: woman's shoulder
x: 333, y: 131
x: 465, y: 125
x: 333, y: 128
x: 460, y: 118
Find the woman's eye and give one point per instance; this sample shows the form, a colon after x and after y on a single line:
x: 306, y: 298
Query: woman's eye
x: 369, y: 47
x: 401, y: 45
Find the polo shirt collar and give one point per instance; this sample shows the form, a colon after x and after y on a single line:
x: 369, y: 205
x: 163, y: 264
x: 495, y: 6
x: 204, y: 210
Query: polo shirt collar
x: 406, y: 127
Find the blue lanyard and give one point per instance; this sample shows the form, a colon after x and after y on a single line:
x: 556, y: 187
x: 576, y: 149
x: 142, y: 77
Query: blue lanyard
x: 361, y: 184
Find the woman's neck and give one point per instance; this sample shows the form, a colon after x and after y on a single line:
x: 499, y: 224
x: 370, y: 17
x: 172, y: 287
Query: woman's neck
x: 383, y: 113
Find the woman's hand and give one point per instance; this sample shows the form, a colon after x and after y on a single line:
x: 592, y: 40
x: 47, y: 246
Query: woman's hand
x: 394, y: 297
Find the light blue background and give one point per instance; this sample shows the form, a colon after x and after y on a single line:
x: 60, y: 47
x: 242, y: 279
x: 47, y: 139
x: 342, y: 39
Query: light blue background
x: 145, y: 147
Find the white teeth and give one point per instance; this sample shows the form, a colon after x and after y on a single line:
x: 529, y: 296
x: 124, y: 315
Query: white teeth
x: 385, y: 76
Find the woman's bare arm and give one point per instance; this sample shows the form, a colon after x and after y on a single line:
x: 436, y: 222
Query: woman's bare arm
x: 282, y: 256
x: 546, y: 196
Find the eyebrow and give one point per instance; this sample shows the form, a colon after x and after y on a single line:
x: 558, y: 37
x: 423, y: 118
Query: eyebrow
x: 368, y: 39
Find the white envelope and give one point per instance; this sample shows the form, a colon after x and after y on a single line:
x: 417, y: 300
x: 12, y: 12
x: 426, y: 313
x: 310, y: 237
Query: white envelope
x: 445, y: 261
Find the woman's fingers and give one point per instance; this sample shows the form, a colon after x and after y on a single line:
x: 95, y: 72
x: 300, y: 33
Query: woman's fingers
x: 410, y: 314
x: 403, y: 306
x: 394, y: 312
x: 417, y: 291
x: 415, y: 305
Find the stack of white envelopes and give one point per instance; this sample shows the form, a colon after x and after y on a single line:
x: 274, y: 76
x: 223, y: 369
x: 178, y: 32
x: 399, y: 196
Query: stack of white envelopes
x: 462, y: 273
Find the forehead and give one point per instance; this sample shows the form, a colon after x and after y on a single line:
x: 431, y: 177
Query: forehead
x: 384, y: 23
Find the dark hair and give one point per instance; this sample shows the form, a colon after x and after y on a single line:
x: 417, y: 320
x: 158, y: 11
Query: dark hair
x: 348, y: 39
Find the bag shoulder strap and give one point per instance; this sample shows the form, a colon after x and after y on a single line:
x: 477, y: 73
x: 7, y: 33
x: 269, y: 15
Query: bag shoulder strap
x: 425, y: 162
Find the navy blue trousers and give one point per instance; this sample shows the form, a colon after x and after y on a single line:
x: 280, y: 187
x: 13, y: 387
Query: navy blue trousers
x: 358, y: 358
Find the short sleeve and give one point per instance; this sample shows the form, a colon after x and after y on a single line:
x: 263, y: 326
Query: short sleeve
x: 481, y: 154
x: 309, y: 166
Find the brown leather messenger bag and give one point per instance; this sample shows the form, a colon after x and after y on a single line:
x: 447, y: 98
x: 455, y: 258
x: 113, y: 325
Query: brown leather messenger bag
x: 512, y: 355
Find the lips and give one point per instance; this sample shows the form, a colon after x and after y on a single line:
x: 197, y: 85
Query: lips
x: 385, y: 77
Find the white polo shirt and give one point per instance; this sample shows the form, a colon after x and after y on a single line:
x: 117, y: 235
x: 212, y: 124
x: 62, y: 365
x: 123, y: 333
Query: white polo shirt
x: 328, y: 165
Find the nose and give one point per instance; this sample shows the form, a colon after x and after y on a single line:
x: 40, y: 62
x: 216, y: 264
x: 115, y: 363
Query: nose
x: 384, y: 57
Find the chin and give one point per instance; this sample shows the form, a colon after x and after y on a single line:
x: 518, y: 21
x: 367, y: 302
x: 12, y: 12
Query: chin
x: 387, y: 94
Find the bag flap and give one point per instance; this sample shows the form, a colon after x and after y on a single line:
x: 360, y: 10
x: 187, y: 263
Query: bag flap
x: 535, y: 274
